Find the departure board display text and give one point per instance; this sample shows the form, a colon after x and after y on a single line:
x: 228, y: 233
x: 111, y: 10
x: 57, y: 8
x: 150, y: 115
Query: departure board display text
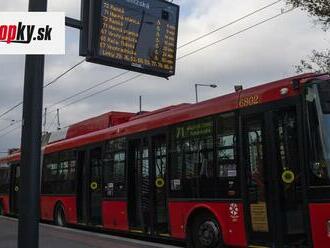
x: 137, y: 35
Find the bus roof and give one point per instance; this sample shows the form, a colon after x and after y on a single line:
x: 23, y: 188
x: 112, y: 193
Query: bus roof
x: 179, y: 113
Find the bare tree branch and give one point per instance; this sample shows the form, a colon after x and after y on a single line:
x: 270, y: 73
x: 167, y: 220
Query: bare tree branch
x: 317, y: 62
x: 317, y: 8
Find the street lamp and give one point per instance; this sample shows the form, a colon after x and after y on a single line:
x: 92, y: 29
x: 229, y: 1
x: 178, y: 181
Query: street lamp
x: 205, y: 85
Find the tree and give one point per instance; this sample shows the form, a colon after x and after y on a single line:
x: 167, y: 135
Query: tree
x: 319, y: 61
x: 317, y: 8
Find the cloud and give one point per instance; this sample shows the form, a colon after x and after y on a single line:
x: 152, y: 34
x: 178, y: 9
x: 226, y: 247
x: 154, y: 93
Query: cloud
x: 265, y: 53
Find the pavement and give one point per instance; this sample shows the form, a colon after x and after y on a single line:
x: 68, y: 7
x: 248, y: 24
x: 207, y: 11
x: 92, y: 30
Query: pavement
x: 54, y: 237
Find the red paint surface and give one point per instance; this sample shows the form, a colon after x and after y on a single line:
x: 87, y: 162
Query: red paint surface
x: 115, y: 215
x: 11, y: 158
x: 168, y: 116
x: 48, y: 204
x: 4, y: 199
x: 233, y: 228
x: 182, y: 112
x: 98, y: 123
x: 233, y: 231
x: 319, y: 216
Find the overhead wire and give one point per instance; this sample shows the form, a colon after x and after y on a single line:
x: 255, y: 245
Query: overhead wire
x: 234, y: 34
x: 11, y: 109
x: 13, y: 124
x: 98, y: 92
x: 184, y: 56
x: 64, y: 73
x: 50, y: 125
x: 7, y: 120
x: 10, y: 125
x: 181, y: 46
x: 45, y: 86
x: 229, y: 24
x: 88, y: 89
x: 5, y: 134
x: 5, y: 128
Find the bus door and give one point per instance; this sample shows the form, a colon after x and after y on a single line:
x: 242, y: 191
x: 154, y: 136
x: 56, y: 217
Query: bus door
x: 14, y: 188
x: 95, y: 186
x: 258, y: 191
x: 159, y: 185
x: 147, y: 188
x: 82, y: 189
x: 273, y: 173
x: 288, y: 177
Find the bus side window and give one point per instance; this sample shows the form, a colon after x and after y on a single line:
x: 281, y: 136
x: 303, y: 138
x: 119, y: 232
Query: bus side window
x: 227, y: 171
x: 49, y: 174
x: 59, y: 172
x: 319, y: 170
x: 192, y: 159
x: 115, y: 168
x: 67, y: 172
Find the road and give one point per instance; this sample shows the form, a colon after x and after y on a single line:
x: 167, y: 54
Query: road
x: 54, y: 237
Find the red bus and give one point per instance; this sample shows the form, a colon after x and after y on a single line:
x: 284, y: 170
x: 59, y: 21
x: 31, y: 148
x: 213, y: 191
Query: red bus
x: 251, y: 168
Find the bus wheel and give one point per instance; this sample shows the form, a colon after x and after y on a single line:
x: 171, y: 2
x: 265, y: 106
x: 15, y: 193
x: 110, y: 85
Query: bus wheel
x: 206, y: 232
x: 60, y: 216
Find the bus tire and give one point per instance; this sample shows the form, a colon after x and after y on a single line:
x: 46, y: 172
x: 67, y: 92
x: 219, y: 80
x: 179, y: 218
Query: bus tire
x: 206, y: 232
x: 59, y: 216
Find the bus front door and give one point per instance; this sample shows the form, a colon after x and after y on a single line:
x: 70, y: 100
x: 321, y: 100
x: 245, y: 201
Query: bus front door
x: 274, y: 195
x: 147, y: 189
x: 258, y: 202
x: 287, y: 174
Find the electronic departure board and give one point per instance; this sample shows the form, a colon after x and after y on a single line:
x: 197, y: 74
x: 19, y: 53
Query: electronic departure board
x: 137, y: 35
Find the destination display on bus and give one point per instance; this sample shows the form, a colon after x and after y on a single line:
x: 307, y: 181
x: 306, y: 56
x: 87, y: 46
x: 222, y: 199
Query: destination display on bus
x: 137, y: 35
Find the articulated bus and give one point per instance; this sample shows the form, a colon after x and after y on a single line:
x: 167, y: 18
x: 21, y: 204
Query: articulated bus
x: 247, y: 169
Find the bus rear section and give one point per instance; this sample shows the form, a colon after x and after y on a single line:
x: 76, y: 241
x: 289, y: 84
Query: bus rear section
x: 4, y: 189
x: 9, y: 188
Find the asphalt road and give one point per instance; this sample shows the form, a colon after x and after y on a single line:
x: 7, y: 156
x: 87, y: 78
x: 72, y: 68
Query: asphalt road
x: 55, y: 237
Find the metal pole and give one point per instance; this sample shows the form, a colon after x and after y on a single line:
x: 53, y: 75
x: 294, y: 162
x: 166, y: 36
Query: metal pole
x: 140, y: 101
x: 196, y: 93
x: 28, y: 226
x: 58, y: 119
x: 45, y: 120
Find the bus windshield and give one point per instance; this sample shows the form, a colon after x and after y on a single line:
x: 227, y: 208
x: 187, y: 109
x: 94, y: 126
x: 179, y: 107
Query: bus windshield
x: 318, y: 107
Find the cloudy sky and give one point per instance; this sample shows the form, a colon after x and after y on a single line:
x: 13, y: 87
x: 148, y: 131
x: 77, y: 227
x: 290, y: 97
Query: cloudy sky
x: 265, y: 53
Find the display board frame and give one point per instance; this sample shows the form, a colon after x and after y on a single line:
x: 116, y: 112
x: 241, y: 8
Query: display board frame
x: 93, y: 42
